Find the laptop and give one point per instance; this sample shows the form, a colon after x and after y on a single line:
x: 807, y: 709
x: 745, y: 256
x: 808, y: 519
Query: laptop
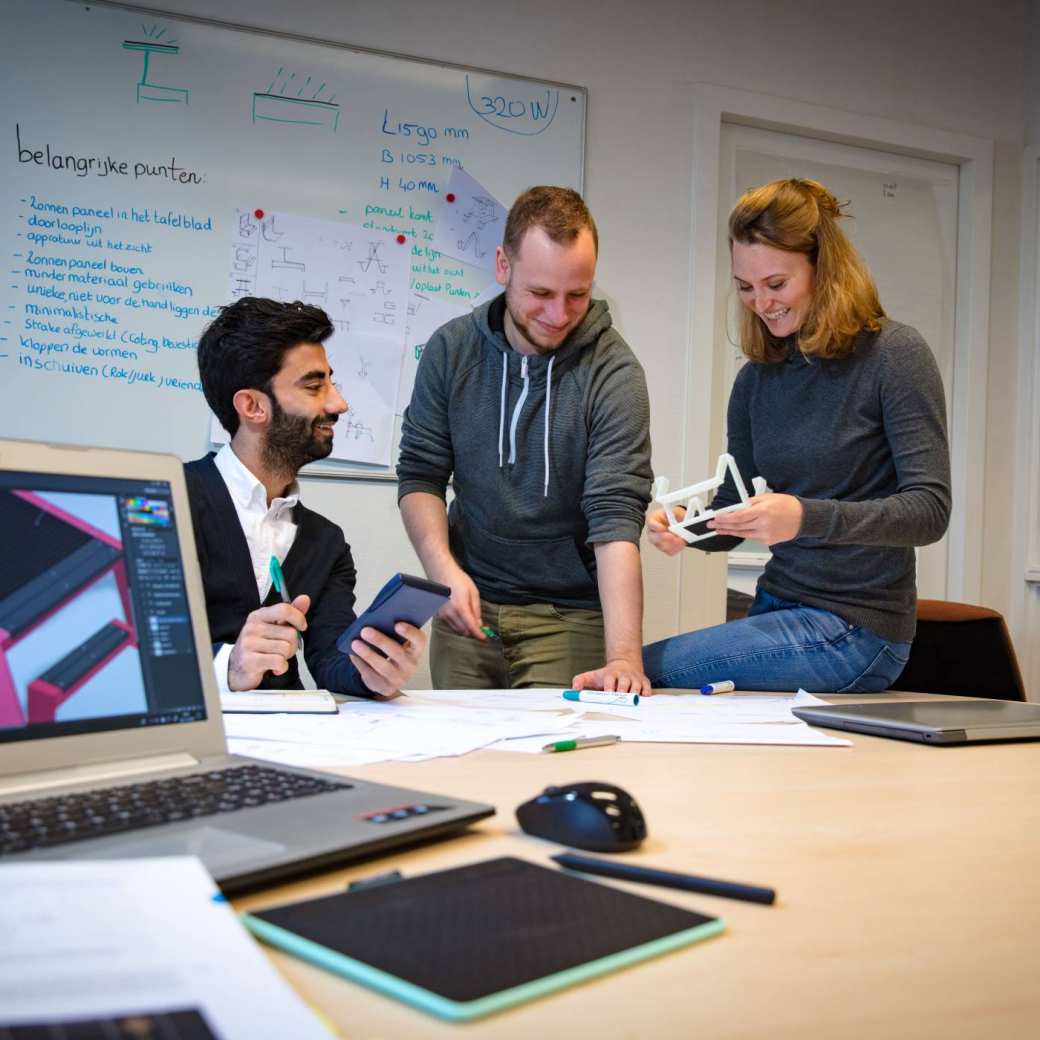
x: 960, y: 721
x: 111, y: 738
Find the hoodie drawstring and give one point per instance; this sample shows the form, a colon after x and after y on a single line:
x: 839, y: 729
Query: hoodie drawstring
x: 517, y: 409
x: 548, y: 391
x: 502, y: 408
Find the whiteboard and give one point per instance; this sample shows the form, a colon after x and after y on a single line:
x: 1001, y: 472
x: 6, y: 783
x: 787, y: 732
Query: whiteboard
x: 134, y: 139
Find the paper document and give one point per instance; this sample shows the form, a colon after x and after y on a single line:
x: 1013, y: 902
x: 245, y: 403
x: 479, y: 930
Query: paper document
x: 689, y: 718
x: 106, y: 941
x: 269, y: 702
x: 471, y: 224
x: 404, y: 729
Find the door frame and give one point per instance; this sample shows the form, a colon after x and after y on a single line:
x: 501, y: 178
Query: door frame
x: 1024, y: 617
x: 714, y: 105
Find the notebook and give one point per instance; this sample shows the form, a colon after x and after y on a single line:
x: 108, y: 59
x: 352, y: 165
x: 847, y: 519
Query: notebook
x: 277, y: 702
x: 111, y: 738
x: 960, y: 721
x: 473, y: 940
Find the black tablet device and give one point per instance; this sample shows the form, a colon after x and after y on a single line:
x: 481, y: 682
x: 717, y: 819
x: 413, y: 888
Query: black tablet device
x: 403, y: 598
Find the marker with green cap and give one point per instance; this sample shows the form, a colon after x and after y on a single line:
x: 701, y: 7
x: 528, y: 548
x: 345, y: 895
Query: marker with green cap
x: 279, y: 579
x: 577, y: 743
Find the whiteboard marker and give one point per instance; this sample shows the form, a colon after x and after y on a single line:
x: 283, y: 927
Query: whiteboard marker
x: 718, y: 687
x: 600, y: 697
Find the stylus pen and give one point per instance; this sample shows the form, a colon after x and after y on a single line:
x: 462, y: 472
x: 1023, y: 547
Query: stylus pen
x: 666, y: 878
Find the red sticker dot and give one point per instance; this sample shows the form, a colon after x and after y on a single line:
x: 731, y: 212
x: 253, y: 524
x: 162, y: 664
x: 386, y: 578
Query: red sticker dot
x: 450, y: 196
x: 401, y: 239
x: 259, y: 214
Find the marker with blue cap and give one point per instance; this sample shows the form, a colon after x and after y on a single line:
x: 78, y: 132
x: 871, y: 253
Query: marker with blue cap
x: 727, y: 686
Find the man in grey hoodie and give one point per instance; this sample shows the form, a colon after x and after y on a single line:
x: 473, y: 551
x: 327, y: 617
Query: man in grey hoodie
x: 537, y: 411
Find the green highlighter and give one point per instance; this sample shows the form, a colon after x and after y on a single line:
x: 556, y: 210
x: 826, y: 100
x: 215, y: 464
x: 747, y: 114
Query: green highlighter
x: 279, y: 579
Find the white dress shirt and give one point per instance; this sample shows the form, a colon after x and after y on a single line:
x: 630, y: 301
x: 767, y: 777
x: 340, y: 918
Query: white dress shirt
x: 269, y: 530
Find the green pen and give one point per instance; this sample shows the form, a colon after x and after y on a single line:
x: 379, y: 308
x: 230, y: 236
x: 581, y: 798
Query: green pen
x: 577, y: 743
x: 489, y: 631
x: 279, y: 579
x: 283, y: 590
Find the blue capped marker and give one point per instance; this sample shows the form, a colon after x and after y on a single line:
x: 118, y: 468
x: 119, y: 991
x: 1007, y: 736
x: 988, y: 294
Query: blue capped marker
x: 718, y: 687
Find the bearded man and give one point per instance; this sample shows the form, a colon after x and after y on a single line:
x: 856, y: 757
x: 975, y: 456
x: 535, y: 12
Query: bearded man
x: 266, y: 377
x: 536, y: 410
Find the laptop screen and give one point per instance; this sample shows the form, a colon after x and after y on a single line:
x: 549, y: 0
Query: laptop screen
x: 95, y: 632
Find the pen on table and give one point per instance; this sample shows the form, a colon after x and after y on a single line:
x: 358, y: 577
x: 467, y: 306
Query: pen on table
x: 666, y: 878
x: 577, y: 743
x: 602, y: 697
x: 718, y: 687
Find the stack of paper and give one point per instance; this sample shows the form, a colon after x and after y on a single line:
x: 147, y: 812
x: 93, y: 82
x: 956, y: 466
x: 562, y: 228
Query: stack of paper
x: 143, y: 947
x: 693, y: 719
x: 435, y: 724
x: 405, y: 729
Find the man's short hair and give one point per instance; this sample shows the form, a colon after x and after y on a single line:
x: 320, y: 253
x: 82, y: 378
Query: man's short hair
x: 560, y: 212
x: 243, y: 347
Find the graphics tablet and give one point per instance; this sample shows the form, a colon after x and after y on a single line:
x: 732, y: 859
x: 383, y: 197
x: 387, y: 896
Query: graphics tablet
x: 962, y: 721
x: 474, y: 940
x: 403, y: 598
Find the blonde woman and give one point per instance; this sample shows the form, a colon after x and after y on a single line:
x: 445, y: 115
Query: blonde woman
x: 841, y: 410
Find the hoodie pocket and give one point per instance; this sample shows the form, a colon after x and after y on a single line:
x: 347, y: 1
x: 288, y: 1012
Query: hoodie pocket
x: 550, y: 569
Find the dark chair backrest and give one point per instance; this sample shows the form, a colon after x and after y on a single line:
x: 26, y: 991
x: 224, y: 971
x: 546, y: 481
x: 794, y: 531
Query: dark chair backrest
x: 962, y: 650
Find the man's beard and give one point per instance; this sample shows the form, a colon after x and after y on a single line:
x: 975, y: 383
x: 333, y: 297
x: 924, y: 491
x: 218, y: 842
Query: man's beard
x: 528, y: 333
x: 293, y: 440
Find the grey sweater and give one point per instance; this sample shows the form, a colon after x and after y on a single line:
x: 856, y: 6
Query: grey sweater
x: 548, y: 454
x: 861, y: 441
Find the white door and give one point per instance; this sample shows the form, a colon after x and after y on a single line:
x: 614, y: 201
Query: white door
x: 904, y: 224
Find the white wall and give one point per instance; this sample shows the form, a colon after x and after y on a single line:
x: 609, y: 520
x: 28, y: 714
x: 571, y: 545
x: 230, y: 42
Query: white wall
x: 957, y: 65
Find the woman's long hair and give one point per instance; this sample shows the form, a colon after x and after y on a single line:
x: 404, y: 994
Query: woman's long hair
x: 801, y: 216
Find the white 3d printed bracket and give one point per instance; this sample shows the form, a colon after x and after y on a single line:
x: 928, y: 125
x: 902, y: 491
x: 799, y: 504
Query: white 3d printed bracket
x: 695, y: 499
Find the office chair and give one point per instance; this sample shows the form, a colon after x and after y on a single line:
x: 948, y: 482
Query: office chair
x: 737, y: 604
x: 961, y: 650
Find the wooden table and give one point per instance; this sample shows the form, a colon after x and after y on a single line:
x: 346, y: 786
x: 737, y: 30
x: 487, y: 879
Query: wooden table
x: 908, y: 881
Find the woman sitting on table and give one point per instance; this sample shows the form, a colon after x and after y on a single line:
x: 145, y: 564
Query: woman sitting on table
x: 841, y: 410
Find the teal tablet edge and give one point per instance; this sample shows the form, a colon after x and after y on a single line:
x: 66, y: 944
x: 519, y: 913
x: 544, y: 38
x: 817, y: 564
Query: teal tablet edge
x: 456, y: 1011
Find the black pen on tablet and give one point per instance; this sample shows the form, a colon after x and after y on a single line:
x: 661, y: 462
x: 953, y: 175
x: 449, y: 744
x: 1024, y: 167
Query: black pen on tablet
x: 666, y: 878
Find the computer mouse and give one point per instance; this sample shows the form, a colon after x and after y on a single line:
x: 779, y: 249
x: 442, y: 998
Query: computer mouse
x: 587, y: 815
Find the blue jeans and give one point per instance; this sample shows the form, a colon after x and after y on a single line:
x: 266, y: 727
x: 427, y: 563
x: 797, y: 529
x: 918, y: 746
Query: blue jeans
x: 779, y: 646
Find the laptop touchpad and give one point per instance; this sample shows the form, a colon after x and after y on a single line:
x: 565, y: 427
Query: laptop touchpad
x: 220, y: 850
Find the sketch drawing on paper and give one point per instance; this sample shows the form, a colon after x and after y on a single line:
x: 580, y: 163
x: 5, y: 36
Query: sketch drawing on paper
x: 361, y: 277
x: 471, y: 221
x: 373, y: 258
x: 299, y: 102
x: 153, y: 43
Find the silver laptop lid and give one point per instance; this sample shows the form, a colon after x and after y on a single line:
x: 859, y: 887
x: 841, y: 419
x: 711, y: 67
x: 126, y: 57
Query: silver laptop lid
x: 977, y: 719
x: 105, y: 651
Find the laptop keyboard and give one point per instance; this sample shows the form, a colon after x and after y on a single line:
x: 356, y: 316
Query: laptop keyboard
x: 74, y: 817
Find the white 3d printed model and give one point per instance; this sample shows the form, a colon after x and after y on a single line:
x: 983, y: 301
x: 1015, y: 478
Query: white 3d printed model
x: 695, y: 498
